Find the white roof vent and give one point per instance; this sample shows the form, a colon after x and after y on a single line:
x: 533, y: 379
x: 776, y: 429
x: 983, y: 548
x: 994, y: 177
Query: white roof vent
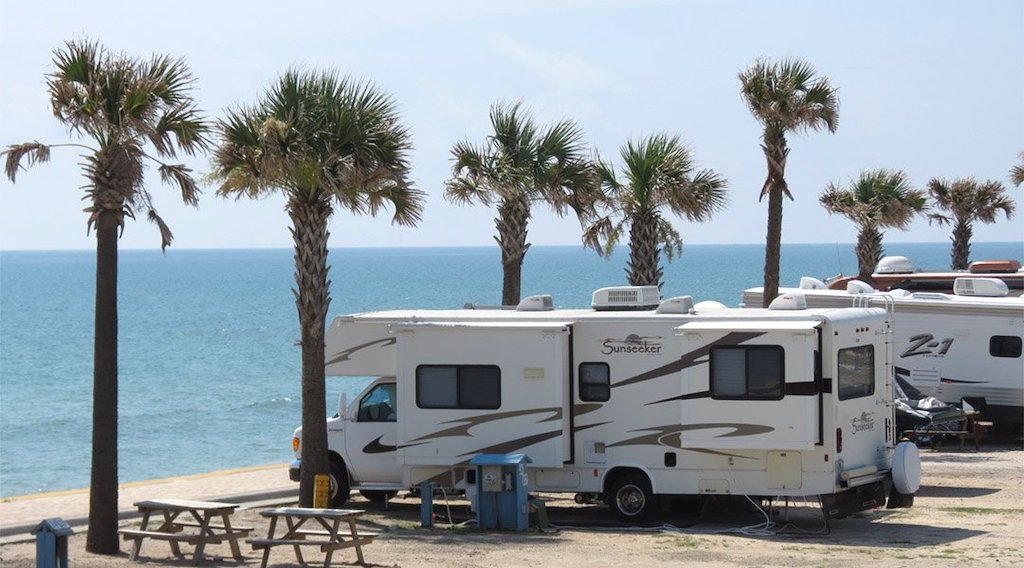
x: 626, y: 298
x: 709, y: 305
x: 789, y: 302
x: 894, y: 265
x: 859, y: 287
x: 810, y: 283
x: 988, y: 287
x: 538, y: 303
x: 677, y: 305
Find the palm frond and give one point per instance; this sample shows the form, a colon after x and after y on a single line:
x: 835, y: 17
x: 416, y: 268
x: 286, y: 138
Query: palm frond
x: 1017, y: 172
x: 670, y: 240
x: 165, y: 232
x: 35, y: 153
x: 178, y: 174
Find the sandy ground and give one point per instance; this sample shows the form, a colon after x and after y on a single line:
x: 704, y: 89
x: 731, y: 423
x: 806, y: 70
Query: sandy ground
x: 969, y: 512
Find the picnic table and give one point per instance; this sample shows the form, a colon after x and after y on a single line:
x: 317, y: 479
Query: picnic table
x: 206, y: 522
x: 328, y: 537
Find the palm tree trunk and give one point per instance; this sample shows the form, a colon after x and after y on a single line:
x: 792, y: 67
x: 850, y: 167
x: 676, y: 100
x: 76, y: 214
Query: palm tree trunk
x: 513, y: 216
x: 312, y: 299
x: 869, y: 252
x: 961, y: 252
x: 102, y: 535
x: 775, y: 153
x: 643, y: 268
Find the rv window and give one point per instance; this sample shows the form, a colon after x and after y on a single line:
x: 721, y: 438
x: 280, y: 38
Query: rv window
x: 595, y: 382
x: 753, y: 372
x: 458, y: 386
x: 856, y: 372
x: 1004, y: 346
x: 379, y: 405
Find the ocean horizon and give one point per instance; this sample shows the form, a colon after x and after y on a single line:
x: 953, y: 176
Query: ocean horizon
x: 211, y: 333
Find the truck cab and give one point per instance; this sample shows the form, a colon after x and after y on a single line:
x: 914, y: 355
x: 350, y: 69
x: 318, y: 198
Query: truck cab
x: 362, y: 444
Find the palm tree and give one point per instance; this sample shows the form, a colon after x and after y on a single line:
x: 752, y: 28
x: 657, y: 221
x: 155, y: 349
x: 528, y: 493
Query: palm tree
x: 659, y: 174
x: 122, y: 105
x: 967, y: 201
x: 324, y: 142
x: 784, y: 97
x: 520, y: 165
x: 1017, y: 172
x: 877, y: 200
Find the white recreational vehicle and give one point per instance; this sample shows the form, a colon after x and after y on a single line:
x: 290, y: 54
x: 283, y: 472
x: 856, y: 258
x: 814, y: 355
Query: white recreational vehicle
x: 633, y: 399
x: 965, y: 345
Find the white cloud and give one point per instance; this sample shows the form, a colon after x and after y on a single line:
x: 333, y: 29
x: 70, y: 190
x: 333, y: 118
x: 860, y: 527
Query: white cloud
x: 562, y: 68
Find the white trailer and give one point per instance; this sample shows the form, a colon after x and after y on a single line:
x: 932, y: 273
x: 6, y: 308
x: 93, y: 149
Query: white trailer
x: 632, y: 400
x: 953, y: 347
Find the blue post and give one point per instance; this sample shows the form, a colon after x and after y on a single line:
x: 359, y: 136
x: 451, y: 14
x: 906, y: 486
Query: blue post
x: 426, y: 504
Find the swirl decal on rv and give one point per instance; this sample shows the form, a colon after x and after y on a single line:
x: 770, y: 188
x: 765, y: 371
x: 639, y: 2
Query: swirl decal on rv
x: 346, y: 354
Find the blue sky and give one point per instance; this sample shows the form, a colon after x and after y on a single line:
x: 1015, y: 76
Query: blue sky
x: 933, y: 88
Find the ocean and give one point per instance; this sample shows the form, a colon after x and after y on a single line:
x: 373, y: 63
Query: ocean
x: 209, y: 367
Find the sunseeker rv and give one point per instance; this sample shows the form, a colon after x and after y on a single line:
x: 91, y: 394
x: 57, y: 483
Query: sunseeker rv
x: 965, y: 345
x: 633, y: 399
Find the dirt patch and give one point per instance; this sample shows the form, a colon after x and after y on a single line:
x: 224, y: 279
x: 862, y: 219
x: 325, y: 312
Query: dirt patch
x: 969, y: 511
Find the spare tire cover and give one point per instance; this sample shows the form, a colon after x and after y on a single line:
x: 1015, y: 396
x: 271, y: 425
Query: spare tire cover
x: 906, y: 468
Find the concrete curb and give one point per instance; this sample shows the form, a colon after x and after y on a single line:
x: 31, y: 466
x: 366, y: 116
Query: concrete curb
x: 21, y: 533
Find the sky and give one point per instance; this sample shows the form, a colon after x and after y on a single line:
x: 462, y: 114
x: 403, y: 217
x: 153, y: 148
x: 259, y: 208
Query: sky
x: 935, y: 88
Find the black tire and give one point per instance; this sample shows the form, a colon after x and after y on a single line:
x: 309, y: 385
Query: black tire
x: 339, y: 485
x: 375, y: 496
x: 631, y: 498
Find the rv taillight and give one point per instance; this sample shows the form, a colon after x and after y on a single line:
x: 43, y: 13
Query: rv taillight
x: 839, y: 440
x: 295, y: 444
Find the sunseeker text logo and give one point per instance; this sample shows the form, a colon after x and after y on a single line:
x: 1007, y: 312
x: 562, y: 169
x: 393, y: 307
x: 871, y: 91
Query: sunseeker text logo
x: 633, y: 344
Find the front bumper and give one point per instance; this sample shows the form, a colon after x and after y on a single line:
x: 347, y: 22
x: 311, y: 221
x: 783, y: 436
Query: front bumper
x: 294, y: 469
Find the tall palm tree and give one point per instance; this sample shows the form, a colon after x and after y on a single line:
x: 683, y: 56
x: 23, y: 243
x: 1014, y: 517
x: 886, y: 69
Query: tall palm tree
x: 123, y: 106
x: 966, y: 201
x: 877, y: 200
x: 1017, y: 172
x: 784, y: 97
x: 660, y: 173
x: 324, y: 142
x: 520, y: 165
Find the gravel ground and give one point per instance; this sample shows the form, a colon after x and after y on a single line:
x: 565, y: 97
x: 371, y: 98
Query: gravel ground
x: 969, y: 511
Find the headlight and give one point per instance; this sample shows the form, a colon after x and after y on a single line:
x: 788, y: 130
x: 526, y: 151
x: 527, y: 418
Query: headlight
x: 295, y: 444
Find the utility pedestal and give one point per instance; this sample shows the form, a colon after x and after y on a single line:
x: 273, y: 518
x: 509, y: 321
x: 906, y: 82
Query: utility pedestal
x: 52, y: 543
x: 501, y: 491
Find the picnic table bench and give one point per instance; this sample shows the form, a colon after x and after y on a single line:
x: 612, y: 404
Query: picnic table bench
x: 210, y: 520
x: 328, y: 537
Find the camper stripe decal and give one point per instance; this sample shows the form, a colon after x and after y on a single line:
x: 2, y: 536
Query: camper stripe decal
x: 464, y: 424
x: 345, y: 355
x: 671, y: 435
x: 690, y: 359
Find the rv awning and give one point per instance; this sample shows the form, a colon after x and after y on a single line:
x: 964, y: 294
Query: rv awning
x: 747, y: 325
x: 475, y: 325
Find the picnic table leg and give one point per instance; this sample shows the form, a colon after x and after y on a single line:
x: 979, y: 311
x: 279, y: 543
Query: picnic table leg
x: 204, y: 530
x: 355, y: 539
x: 270, y: 536
x: 166, y: 526
x: 232, y: 537
x: 292, y: 527
x: 137, y: 541
x: 333, y: 537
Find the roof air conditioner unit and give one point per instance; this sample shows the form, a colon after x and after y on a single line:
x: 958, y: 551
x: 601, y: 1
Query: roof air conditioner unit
x: 677, y: 305
x: 626, y: 298
x: 809, y: 283
x: 859, y: 287
x: 709, y: 305
x: 789, y: 302
x: 988, y: 287
x: 538, y: 303
x: 894, y: 265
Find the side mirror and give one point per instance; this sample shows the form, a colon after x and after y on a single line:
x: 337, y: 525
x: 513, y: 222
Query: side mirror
x: 342, y: 405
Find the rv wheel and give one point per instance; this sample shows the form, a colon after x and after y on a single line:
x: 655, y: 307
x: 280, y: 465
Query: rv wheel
x: 631, y: 498
x: 339, y: 484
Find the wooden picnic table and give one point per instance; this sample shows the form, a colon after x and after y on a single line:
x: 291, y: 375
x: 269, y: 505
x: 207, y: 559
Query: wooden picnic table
x: 329, y: 536
x: 206, y: 522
